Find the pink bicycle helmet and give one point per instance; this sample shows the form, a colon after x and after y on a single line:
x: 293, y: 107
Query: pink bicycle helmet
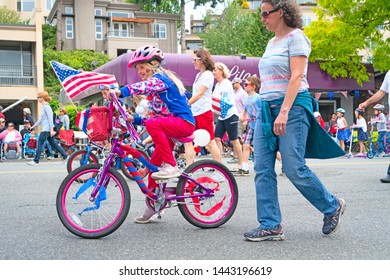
x: 145, y: 54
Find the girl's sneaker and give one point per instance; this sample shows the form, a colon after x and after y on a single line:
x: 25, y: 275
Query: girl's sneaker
x: 166, y: 171
x: 148, y: 216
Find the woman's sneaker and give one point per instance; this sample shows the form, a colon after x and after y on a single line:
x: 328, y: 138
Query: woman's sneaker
x: 259, y: 234
x: 332, y: 223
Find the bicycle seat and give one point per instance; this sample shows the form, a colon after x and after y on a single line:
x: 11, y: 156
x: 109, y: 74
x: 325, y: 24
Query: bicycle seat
x: 186, y: 139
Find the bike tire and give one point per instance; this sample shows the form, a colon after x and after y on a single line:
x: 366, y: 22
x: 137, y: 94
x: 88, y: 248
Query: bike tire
x: 76, y: 159
x: 82, y: 217
x: 142, y: 170
x: 213, y: 211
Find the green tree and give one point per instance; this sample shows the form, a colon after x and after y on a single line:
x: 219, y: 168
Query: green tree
x: 77, y: 59
x: 8, y: 16
x: 236, y: 31
x: 174, y: 7
x: 345, y: 27
x: 49, y: 36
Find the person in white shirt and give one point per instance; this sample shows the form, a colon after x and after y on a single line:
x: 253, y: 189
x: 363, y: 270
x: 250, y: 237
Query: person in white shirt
x: 200, y: 103
x: 362, y: 135
x: 385, y: 88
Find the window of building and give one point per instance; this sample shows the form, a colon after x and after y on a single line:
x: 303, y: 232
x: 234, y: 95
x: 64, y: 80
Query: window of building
x: 98, y: 12
x: 16, y: 59
x: 194, y: 45
x: 305, y: 1
x: 197, y: 29
x: 254, y: 5
x: 160, y: 31
x: 123, y: 29
x: 306, y: 20
x: 120, y: 14
x: 69, y: 28
x: 99, y: 29
x: 49, y: 4
x: 69, y: 10
x: 25, y: 5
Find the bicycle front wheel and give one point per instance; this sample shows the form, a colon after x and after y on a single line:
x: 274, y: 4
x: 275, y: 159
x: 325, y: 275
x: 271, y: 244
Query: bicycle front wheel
x: 99, y: 217
x: 80, y: 158
x: 208, y: 211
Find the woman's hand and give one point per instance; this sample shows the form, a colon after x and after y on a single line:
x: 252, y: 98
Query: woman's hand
x: 52, y: 133
x: 280, y: 124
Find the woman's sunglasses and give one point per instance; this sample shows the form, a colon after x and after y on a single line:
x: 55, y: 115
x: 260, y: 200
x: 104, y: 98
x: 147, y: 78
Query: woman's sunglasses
x: 267, y: 13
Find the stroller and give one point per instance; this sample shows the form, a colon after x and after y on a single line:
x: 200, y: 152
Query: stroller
x: 29, y: 145
x: 66, y: 138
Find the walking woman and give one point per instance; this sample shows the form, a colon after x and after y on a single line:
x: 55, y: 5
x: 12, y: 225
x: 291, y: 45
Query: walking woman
x: 201, y: 102
x: 284, y: 124
x: 47, y: 133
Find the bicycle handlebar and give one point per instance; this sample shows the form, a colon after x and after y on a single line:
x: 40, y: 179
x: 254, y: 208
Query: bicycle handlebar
x: 130, y: 128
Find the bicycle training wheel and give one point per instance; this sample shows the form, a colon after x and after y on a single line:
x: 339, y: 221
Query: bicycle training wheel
x: 80, y: 158
x: 98, y: 218
x: 141, y: 169
x: 208, y: 211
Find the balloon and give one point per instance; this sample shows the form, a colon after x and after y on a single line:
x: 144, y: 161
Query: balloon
x: 202, y: 137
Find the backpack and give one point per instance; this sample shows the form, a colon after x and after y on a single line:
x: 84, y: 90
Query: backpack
x: 57, y: 123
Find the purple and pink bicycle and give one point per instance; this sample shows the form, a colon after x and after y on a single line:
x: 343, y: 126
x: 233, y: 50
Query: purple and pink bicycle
x: 94, y: 200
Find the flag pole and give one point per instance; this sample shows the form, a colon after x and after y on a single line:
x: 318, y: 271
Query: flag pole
x: 71, y: 101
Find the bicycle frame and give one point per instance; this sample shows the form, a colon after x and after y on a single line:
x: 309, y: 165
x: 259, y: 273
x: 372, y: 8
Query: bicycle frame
x: 122, y: 151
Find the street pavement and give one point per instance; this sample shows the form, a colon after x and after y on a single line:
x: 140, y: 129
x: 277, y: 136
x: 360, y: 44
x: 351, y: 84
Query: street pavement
x: 31, y: 230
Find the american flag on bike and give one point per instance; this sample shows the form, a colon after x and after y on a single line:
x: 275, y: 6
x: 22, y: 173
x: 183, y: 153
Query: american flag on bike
x: 79, y: 84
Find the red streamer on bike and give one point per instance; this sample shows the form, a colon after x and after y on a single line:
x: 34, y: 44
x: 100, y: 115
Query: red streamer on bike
x: 196, y: 200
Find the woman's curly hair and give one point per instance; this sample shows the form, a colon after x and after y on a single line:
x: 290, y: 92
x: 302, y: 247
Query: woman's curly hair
x: 291, y: 11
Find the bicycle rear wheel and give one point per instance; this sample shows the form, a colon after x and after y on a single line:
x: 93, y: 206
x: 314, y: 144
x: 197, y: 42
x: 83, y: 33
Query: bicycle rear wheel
x: 215, y: 210
x: 80, y: 158
x: 96, y: 219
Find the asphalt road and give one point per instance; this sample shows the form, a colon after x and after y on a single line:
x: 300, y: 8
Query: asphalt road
x: 31, y: 230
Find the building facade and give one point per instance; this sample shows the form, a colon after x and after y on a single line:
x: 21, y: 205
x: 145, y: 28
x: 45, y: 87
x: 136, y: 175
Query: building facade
x: 27, y: 8
x: 21, y: 66
x: 112, y: 27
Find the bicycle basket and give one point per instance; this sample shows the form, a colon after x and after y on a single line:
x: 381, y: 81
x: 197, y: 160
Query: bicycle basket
x: 95, y: 122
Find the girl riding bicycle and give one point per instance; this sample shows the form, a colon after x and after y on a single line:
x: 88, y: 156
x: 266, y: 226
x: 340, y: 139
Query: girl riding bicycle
x: 169, y: 116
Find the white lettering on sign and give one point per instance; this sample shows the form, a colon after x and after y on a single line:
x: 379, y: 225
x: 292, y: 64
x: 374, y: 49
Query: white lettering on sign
x: 236, y: 73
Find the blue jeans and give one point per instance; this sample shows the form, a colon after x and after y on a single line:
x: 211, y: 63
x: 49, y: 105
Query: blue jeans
x: 381, y: 141
x: 48, y: 147
x: 292, y: 147
x: 43, y: 136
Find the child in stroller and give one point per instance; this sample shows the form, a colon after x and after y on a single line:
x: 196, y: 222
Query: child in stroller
x: 30, y: 142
